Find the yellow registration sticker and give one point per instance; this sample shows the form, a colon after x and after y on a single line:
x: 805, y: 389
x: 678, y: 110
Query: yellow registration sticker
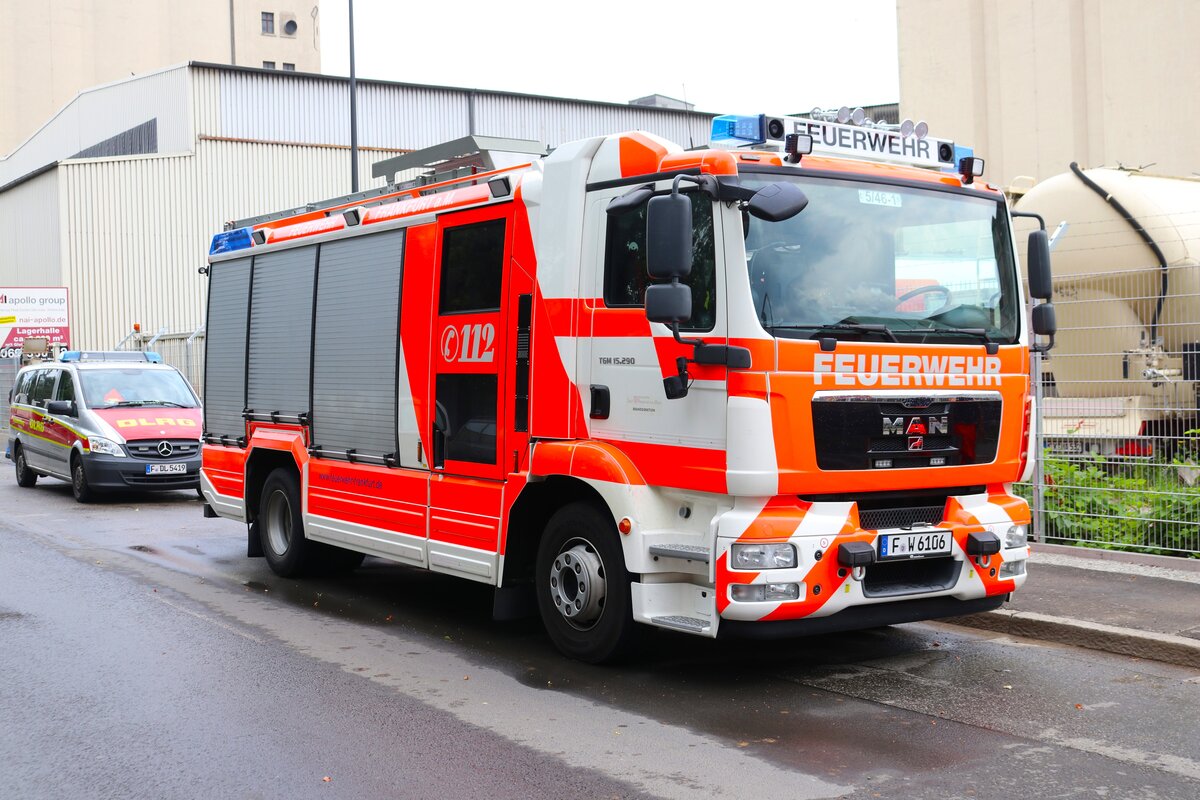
x: 8, y: 320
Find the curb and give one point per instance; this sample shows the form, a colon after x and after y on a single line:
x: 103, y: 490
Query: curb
x: 1165, y: 647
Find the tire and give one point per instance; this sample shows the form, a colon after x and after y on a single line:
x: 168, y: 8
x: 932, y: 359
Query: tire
x: 583, y: 589
x: 25, y: 476
x: 281, y: 528
x: 79, y: 482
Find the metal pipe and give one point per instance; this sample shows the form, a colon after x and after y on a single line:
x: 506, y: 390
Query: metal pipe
x: 353, y: 110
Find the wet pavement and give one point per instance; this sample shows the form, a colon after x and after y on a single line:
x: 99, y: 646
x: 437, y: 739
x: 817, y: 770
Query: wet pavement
x: 146, y: 656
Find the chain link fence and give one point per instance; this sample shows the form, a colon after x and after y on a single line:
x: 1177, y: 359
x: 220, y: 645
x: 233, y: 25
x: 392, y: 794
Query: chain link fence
x: 1118, y: 419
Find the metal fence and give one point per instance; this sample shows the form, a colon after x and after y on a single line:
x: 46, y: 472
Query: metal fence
x: 8, y: 372
x: 1118, y: 417
x: 183, y: 350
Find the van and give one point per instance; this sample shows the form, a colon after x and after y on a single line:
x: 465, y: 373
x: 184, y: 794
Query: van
x: 105, y: 422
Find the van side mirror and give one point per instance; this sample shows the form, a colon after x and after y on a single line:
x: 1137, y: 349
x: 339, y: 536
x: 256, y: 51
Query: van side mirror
x: 669, y: 237
x: 1044, y: 321
x: 62, y: 408
x: 1038, y: 265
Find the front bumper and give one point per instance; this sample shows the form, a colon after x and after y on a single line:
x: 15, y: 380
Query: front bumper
x: 111, y: 472
x: 888, y: 591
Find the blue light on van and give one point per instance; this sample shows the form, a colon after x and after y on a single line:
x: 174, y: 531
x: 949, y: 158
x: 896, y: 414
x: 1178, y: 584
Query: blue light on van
x: 739, y: 129
x: 229, y: 241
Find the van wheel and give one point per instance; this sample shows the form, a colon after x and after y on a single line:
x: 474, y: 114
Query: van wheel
x: 582, y: 586
x: 25, y: 476
x: 79, y: 482
x: 280, y: 527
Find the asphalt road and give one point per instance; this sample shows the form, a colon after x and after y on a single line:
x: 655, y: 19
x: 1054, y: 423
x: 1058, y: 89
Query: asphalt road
x: 143, y: 656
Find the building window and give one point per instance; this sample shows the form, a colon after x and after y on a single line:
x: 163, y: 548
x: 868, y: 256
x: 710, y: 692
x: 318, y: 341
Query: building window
x: 289, y: 67
x: 289, y: 28
x: 268, y: 65
x: 268, y: 23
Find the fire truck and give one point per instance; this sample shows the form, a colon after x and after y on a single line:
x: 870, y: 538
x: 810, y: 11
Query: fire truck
x: 773, y: 387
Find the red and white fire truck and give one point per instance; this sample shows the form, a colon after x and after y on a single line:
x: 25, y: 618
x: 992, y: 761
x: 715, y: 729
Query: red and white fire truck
x: 774, y: 387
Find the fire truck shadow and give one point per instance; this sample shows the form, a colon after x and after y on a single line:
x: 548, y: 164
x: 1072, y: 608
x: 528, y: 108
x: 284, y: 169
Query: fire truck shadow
x: 448, y: 612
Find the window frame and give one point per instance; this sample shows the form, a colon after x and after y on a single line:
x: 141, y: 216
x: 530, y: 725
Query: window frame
x: 447, y: 232
x: 268, y: 23
x: 605, y: 262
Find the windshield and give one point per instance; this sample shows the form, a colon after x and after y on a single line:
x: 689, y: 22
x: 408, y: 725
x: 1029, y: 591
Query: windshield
x: 902, y: 263
x: 108, y: 388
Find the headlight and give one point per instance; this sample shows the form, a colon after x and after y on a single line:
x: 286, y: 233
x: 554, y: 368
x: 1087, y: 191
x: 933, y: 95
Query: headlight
x: 1012, y: 569
x: 98, y: 444
x: 763, y: 556
x: 1017, y: 536
x: 764, y: 592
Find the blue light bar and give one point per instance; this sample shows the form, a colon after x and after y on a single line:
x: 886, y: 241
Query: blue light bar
x: 229, y: 241
x: 110, y: 355
x: 739, y: 129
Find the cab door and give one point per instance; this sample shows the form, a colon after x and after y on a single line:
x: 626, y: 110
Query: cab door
x: 465, y: 416
x: 60, y: 428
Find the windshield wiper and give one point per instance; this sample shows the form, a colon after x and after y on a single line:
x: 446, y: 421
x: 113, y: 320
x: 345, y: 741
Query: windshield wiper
x: 128, y: 403
x: 975, y: 333
x: 856, y: 327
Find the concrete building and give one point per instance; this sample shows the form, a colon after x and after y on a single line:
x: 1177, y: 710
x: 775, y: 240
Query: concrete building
x: 118, y: 195
x: 1034, y: 86
x: 52, y: 49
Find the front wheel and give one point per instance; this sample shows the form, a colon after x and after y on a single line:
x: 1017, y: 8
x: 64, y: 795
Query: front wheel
x: 79, y: 483
x: 583, y: 589
x: 25, y: 476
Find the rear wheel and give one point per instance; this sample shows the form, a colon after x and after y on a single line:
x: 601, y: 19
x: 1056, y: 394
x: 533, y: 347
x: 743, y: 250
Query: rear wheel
x: 79, y: 483
x: 583, y: 588
x: 281, y: 528
x: 25, y: 476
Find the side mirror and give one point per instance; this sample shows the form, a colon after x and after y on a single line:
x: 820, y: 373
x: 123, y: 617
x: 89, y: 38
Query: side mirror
x: 62, y: 408
x: 669, y: 303
x: 1044, y: 322
x: 1038, y: 265
x: 668, y: 237
x: 776, y: 202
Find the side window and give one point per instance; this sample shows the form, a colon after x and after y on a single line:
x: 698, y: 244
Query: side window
x: 43, y: 387
x: 466, y: 411
x: 66, y: 387
x: 472, y: 267
x: 625, y: 278
x: 21, y: 389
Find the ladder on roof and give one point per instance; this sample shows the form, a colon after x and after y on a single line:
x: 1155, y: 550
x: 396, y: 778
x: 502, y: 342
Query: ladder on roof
x: 470, y: 155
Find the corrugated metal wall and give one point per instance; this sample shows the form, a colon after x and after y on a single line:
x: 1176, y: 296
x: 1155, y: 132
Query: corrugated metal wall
x: 138, y: 228
x: 30, y: 234
x: 300, y: 108
x: 106, y: 111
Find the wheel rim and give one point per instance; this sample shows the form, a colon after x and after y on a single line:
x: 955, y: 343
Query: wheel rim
x: 279, y: 522
x: 577, y: 584
x: 21, y: 461
x: 77, y: 478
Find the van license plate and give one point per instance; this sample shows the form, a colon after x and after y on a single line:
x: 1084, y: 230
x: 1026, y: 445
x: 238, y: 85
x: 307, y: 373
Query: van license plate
x: 166, y: 469
x: 915, y: 545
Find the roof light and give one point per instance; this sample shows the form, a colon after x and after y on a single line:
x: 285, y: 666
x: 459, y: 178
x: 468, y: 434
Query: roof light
x: 797, y: 145
x: 971, y: 168
x: 739, y: 129
x: 229, y: 241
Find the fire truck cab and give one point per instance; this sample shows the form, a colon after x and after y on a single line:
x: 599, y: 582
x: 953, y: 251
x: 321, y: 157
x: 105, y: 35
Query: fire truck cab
x: 775, y: 387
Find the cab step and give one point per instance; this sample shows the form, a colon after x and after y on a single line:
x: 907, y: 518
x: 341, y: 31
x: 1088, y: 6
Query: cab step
x: 686, y: 624
x: 688, y: 552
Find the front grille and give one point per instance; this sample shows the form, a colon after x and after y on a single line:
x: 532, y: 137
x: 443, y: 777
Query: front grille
x: 911, y: 576
x: 880, y: 518
x: 148, y: 448
x: 899, y: 444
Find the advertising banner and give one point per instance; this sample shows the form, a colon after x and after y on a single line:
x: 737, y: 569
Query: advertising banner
x: 32, y: 311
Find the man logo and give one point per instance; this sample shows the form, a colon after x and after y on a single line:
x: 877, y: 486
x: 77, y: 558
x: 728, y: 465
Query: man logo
x: 916, y: 426
x: 916, y: 443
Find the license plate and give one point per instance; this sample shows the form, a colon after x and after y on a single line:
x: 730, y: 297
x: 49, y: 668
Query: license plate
x: 1066, y: 447
x: 166, y: 469
x: 918, y: 544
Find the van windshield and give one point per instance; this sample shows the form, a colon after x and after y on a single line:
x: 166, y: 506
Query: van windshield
x: 108, y: 388
x: 913, y: 264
